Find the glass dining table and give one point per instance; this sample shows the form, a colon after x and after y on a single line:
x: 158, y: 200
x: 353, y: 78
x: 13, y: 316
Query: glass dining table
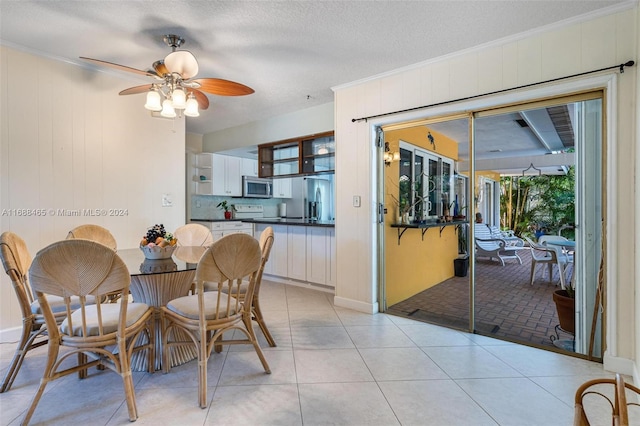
x: 156, y: 283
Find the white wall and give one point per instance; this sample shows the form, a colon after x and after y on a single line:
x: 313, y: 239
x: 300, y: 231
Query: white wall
x: 308, y: 121
x: 561, y: 50
x: 68, y: 141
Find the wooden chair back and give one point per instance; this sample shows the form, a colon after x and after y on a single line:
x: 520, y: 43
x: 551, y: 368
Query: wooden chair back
x: 88, y: 270
x: 82, y: 272
x: 225, y: 264
x: 193, y: 234
x: 16, y: 261
x: 598, y: 399
x: 94, y: 233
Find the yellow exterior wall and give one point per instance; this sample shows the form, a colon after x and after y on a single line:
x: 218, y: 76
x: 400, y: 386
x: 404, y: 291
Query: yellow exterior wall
x: 415, y: 265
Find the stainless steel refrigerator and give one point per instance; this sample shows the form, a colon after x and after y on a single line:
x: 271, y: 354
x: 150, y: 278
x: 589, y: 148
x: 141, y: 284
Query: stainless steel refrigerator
x: 312, y: 198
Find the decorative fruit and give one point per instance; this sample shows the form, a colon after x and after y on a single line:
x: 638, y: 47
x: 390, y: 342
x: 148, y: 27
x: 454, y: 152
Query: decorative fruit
x: 173, y: 242
x: 144, y: 242
x: 163, y: 243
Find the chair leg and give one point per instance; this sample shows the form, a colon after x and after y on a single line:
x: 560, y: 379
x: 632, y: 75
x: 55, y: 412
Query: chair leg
x: 24, y: 346
x: 257, y: 316
x: 252, y: 336
x: 127, y: 380
x: 550, y: 272
x: 203, y: 357
x: 533, y: 270
x: 52, y: 356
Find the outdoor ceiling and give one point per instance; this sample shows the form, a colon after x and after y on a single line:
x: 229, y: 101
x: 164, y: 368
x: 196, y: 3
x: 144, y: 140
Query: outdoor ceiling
x: 292, y: 53
x: 510, y: 143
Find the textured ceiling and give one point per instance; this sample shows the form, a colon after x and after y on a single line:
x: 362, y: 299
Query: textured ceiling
x: 291, y: 53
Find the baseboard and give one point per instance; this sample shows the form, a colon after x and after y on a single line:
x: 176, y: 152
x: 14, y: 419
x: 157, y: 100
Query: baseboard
x: 10, y: 335
x: 356, y: 305
x: 304, y: 284
x: 620, y: 365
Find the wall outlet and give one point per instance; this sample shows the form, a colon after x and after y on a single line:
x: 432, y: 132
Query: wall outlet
x: 166, y: 200
x: 356, y: 201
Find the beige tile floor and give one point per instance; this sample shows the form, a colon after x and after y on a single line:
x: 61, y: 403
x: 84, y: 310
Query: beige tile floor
x: 332, y: 366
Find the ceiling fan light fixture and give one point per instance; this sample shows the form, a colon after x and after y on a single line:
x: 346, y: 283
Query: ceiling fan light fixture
x: 153, y: 101
x: 182, y: 62
x: 192, y: 107
x: 167, y: 109
x: 179, y: 98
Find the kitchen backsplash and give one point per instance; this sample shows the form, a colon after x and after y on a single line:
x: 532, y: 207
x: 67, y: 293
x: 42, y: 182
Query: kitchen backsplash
x: 204, y: 206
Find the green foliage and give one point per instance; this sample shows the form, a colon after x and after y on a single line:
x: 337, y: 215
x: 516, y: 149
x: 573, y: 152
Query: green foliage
x: 535, y: 202
x: 223, y: 205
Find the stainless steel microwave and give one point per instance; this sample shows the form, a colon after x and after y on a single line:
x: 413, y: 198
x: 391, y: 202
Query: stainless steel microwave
x: 255, y: 187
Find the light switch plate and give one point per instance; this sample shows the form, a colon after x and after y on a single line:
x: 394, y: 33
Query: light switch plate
x: 356, y: 201
x: 166, y: 200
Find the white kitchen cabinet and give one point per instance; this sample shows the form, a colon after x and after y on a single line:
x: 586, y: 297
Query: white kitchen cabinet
x: 297, y: 248
x: 279, y: 251
x: 282, y: 188
x: 331, y: 257
x: 321, y: 255
x: 249, y: 167
x: 220, y: 229
x: 218, y: 175
x: 316, y: 255
x: 226, y: 175
x: 301, y: 253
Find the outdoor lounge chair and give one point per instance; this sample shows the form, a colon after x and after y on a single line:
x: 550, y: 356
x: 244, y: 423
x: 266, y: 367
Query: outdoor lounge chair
x: 492, y: 246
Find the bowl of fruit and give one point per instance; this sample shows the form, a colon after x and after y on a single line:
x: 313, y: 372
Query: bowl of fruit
x: 158, y: 244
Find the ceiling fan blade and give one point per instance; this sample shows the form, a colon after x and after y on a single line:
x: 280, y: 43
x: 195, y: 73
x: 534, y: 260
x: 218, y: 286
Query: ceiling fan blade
x: 182, y: 62
x: 218, y: 86
x: 160, y: 67
x: 118, y: 67
x: 203, y: 101
x: 136, y: 89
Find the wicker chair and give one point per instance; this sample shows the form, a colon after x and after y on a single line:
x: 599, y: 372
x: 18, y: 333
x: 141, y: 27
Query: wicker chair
x: 16, y: 261
x: 101, y: 334
x: 193, y: 234
x: 94, y: 233
x: 266, y: 242
x: 207, y: 315
x: 598, y: 394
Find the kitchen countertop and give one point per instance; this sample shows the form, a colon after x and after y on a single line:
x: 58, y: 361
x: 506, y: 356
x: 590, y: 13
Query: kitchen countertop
x: 277, y: 221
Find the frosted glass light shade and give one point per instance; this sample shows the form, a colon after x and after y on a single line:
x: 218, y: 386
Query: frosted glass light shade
x: 153, y: 101
x: 192, y: 107
x: 167, y: 109
x: 179, y: 99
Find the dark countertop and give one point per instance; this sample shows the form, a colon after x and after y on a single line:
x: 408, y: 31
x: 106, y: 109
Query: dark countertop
x: 295, y: 222
x: 278, y: 221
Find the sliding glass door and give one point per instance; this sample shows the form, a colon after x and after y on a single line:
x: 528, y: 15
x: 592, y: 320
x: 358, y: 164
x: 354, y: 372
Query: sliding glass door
x: 532, y: 176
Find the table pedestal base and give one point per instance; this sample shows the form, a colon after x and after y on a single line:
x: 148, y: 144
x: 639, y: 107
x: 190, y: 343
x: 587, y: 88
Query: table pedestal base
x: 157, y: 290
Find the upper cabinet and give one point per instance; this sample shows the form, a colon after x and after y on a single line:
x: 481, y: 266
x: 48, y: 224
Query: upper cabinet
x: 300, y: 156
x: 218, y: 175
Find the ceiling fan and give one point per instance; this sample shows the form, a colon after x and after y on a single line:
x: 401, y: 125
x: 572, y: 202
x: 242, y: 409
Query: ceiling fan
x: 175, y: 87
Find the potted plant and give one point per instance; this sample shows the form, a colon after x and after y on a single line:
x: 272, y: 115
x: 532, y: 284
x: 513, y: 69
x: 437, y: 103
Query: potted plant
x: 565, y: 307
x: 224, y: 205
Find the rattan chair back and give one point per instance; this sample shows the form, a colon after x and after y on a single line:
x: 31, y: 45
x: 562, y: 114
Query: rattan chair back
x: 208, y: 315
x: 193, y: 234
x: 100, y: 334
x: 94, y: 233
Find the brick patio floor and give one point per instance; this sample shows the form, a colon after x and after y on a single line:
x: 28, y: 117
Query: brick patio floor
x: 507, y: 306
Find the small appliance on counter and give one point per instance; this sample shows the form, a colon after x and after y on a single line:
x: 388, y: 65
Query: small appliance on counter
x: 282, y: 210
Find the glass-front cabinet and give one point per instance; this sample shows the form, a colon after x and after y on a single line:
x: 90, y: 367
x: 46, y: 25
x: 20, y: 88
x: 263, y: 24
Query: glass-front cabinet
x: 307, y: 155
